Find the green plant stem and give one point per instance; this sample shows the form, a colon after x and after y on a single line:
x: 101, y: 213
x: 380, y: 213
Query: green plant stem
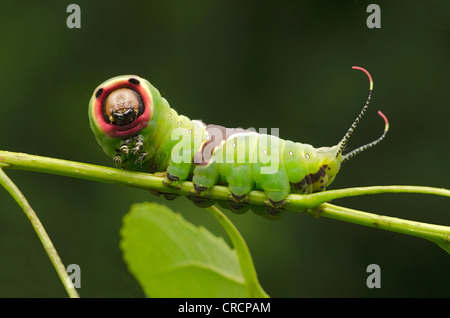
x: 312, y: 200
x: 295, y: 202
x: 252, y: 286
x: 7, y: 183
x: 436, y: 233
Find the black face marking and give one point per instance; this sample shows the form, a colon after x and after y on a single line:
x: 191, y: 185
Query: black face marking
x: 125, y: 117
x: 122, y: 106
x: 98, y: 92
x: 133, y: 81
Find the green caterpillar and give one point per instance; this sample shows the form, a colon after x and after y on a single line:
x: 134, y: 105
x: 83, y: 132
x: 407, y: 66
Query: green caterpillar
x: 140, y: 131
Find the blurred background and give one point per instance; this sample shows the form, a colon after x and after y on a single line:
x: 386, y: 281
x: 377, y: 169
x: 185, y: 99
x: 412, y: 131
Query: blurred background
x: 261, y: 64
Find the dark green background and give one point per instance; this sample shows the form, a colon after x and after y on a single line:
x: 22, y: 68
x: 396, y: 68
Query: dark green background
x: 236, y: 63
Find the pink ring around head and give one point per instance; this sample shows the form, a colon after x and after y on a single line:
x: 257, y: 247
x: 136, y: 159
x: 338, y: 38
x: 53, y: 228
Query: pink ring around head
x: 116, y: 131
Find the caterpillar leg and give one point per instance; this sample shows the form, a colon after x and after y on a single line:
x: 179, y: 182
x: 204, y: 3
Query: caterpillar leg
x: 180, y: 165
x: 204, y: 177
x: 137, y: 149
x: 170, y: 196
x: 122, y: 153
x: 263, y: 211
x: 167, y: 196
x: 130, y: 148
x: 138, y: 144
x: 238, y: 204
x: 171, y: 181
x: 274, y: 208
x: 118, y: 161
x: 237, y: 173
x: 277, y: 187
x: 125, y: 146
x: 200, y: 196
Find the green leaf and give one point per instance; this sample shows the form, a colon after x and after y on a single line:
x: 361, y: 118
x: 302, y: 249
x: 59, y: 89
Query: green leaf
x: 171, y: 257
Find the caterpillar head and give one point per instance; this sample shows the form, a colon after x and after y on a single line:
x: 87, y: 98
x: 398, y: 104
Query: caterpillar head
x: 119, y: 108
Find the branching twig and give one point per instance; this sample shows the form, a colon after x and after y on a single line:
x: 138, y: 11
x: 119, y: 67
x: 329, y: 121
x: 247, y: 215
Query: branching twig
x: 40, y: 231
x: 296, y: 203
